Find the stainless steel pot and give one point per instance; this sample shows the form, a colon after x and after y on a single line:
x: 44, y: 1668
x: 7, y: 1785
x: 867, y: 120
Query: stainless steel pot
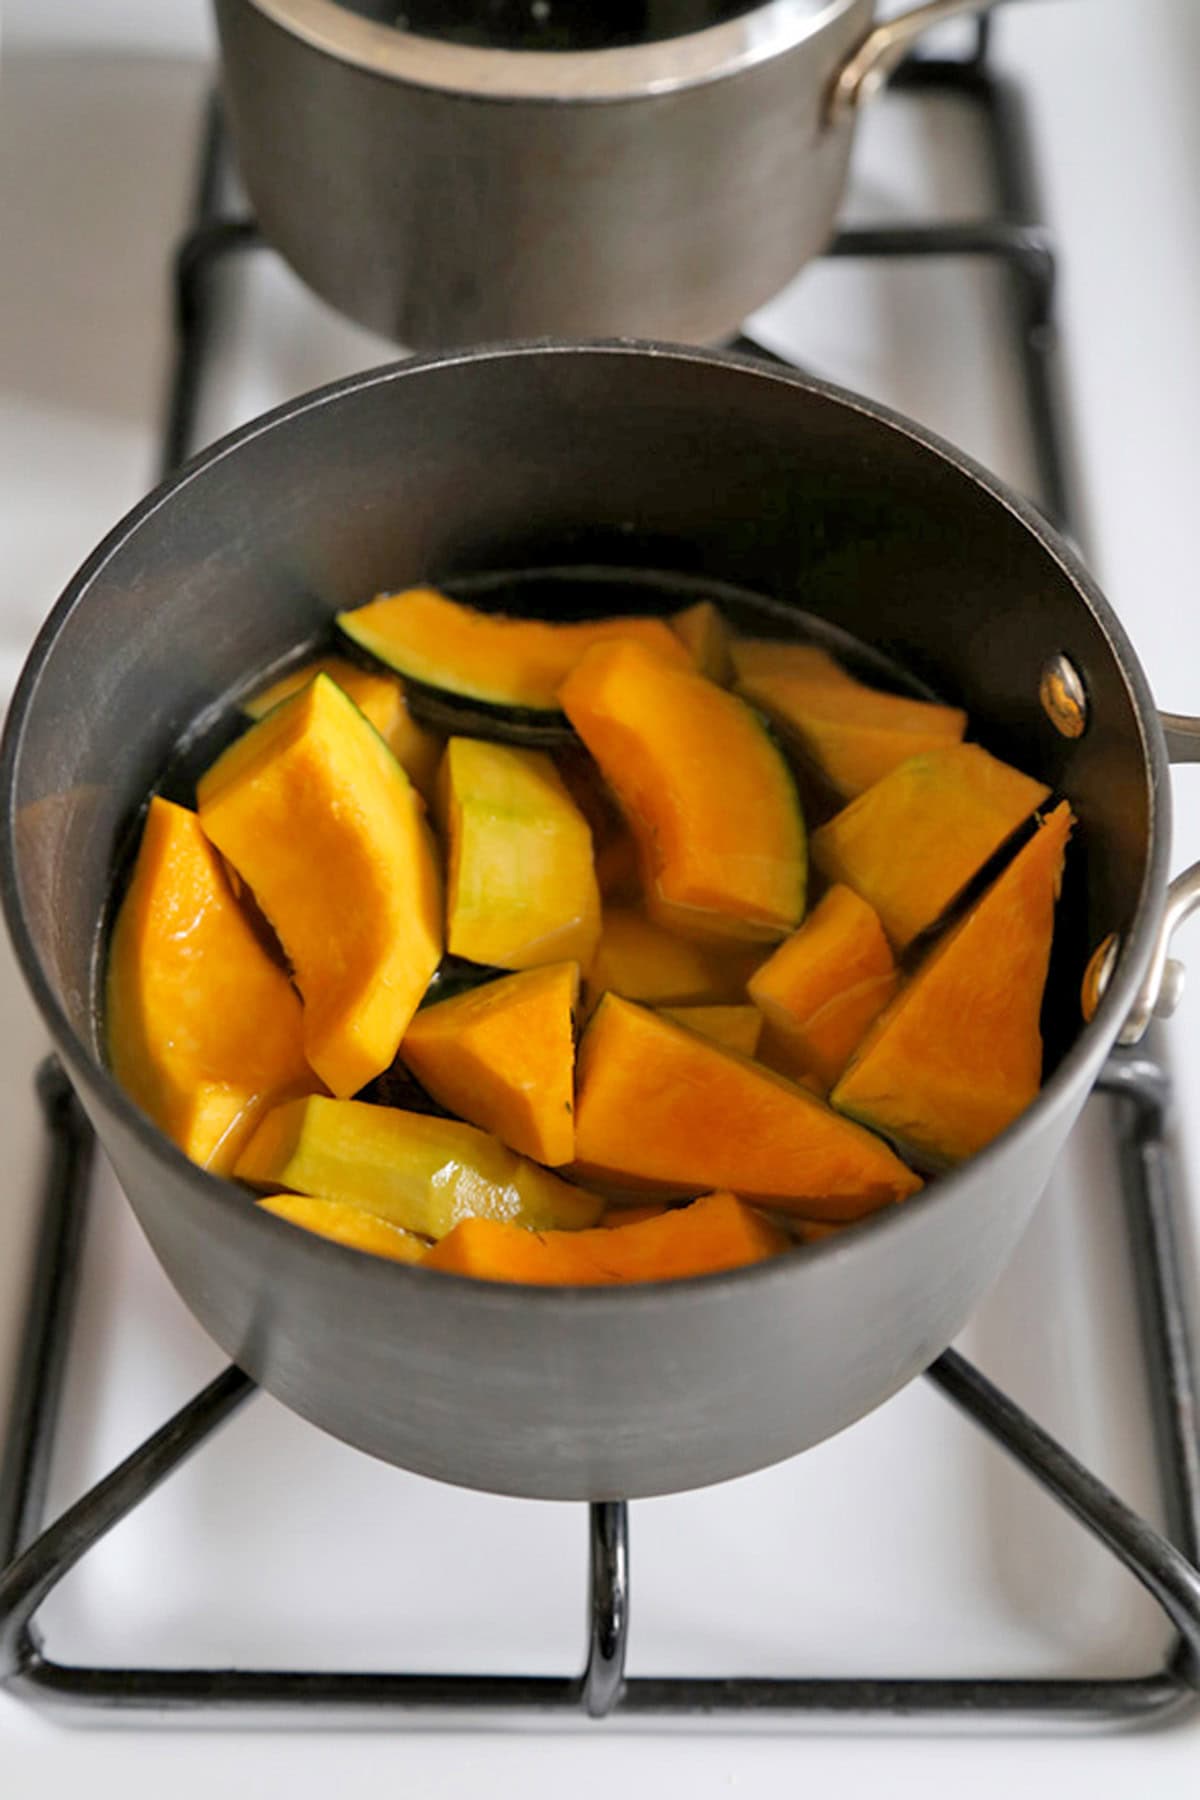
x: 606, y: 456
x: 444, y: 192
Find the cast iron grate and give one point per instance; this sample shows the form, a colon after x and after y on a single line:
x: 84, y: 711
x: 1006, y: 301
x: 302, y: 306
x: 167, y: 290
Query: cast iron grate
x: 35, y: 1557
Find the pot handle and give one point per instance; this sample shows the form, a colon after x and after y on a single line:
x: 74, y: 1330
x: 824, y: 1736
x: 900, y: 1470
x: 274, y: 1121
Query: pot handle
x: 883, y: 47
x: 1159, y: 993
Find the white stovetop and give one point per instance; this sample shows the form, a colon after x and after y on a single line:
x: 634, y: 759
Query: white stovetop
x: 909, y: 1534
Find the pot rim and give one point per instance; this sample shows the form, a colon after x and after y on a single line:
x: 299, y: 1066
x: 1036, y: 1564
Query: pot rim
x: 543, y: 1303
x: 622, y: 72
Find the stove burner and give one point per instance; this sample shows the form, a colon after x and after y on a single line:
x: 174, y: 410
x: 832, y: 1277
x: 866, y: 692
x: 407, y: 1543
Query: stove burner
x: 34, y: 1558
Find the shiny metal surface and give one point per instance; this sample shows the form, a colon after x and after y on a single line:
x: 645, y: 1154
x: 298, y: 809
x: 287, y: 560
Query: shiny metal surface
x: 1162, y: 987
x: 885, y: 47
x: 443, y: 194
x: 618, y: 455
x: 1063, y: 696
x: 622, y: 72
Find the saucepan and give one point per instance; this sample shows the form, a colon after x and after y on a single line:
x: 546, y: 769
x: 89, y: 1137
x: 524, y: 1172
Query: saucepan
x: 458, y: 171
x: 728, y: 476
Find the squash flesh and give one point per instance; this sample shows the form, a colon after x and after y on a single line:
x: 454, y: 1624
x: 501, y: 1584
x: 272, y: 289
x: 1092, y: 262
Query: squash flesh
x: 752, y: 657
x: 418, y: 1172
x: 204, y: 1029
x: 380, y: 698
x: 831, y: 1035
x: 853, y: 733
x: 911, y: 843
x: 657, y: 1106
x: 324, y: 826
x: 632, y: 1214
x: 348, y: 1225
x: 958, y: 1055
x: 640, y: 961
x: 502, y: 1056
x: 521, y: 883
x: 702, y: 630
x: 707, y: 795
x: 488, y: 656
x: 714, y: 1233
x: 736, y: 1027
x: 823, y: 987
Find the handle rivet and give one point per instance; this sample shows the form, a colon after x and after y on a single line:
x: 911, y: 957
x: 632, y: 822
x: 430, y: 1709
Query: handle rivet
x: 1063, y: 696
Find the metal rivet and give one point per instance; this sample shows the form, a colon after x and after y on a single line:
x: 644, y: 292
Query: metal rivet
x: 1063, y: 697
x: 1171, y: 991
x: 1097, y: 975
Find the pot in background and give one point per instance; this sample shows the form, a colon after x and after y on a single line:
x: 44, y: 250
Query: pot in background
x: 442, y: 190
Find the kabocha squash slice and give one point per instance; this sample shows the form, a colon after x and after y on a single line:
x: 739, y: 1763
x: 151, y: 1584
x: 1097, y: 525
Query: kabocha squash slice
x: 816, y: 1056
x: 714, y: 1233
x: 752, y: 657
x: 958, y: 1055
x: 323, y: 825
x: 705, y: 635
x: 774, y: 1052
x: 204, y: 1029
x: 852, y: 733
x: 657, y: 1106
x: 632, y: 1213
x: 487, y: 656
x: 520, y: 880
x: 823, y: 987
x: 503, y: 1057
x: 641, y: 961
x: 736, y: 1027
x: 348, y: 1225
x: 421, y: 1173
x: 914, y: 840
x: 380, y: 698
x: 708, y: 796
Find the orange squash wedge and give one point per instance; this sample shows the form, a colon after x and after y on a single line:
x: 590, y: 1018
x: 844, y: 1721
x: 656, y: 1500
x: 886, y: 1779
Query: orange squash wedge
x: 323, y: 825
x: 657, y: 1106
x: 852, y: 733
x: 833, y: 1033
x: 707, y: 794
x: 631, y: 1214
x: 418, y: 1172
x: 774, y: 1052
x: 348, y: 1225
x: 714, y: 1233
x: 503, y: 1057
x: 752, y: 657
x: 737, y: 1027
x: 705, y: 635
x: 911, y: 843
x: 486, y: 656
x: 958, y: 1055
x: 204, y: 1030
x: 640, y: 961
x: 822, y: 988
x: 520, y: 880
x: 380, y: 698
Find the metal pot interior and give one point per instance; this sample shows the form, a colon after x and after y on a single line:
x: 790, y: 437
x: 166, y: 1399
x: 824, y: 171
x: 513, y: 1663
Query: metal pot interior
x: 551, y: 24
x: 787, y: 498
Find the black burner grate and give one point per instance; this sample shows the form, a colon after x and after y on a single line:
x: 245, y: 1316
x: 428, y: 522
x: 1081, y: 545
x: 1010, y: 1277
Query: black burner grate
x: 35, y: 1558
